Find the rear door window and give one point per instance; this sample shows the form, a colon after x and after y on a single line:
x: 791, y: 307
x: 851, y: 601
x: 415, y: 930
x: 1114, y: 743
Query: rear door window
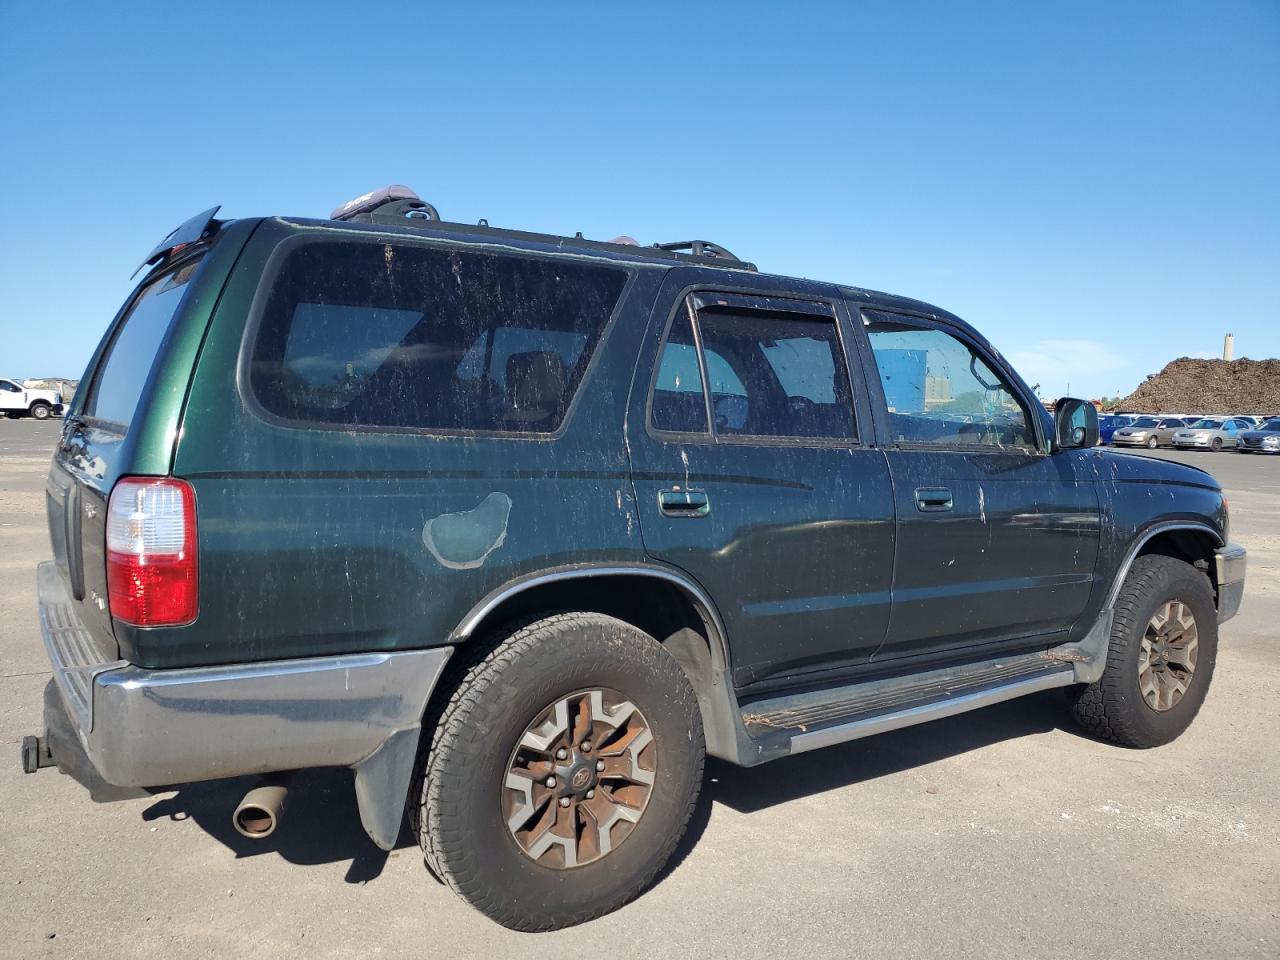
x: 123, y: 371
x: 679, y: 404
x: 407, y: 336
x: 770, y: 374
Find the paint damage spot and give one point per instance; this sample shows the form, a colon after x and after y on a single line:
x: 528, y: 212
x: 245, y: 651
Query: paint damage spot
x: 463, y: 541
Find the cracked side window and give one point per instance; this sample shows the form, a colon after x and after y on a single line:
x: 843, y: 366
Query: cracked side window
x: 939, y: 391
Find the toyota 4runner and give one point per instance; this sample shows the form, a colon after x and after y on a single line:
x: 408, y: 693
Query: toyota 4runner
x: 518, y: 527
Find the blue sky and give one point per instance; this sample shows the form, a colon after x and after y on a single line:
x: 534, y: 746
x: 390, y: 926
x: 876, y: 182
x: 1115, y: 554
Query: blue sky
x: 1096, y: 186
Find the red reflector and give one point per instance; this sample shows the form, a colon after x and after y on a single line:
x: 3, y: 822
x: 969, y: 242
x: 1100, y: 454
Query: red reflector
x: 152, y: 574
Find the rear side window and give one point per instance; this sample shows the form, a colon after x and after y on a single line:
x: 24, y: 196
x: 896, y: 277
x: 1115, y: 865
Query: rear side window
x: 123, y: 371
x: 785, y: 375
x: 379, y: 335
x: 679, y: 404
x: 769, y: 374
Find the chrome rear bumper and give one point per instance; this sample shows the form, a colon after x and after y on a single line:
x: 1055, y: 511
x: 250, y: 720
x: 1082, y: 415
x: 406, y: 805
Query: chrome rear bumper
x: 146, y: 728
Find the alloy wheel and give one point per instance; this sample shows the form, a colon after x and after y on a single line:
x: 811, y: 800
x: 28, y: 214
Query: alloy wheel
x: 1167, y: 657
x: 579, y: 779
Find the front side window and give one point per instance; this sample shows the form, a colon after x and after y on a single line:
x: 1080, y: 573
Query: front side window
x: 8, y: 387
x: 940, y: 391
x: 123, y: 371
x: 383, y: 335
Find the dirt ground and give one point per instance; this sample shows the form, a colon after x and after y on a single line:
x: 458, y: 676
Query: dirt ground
x: 1000, y: 833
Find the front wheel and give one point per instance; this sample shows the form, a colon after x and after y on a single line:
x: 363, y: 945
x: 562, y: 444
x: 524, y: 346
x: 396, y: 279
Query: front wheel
x: 562, y: 773
x: 1164, y: 642
x: 1216, y: 445
x: 1152, y: 443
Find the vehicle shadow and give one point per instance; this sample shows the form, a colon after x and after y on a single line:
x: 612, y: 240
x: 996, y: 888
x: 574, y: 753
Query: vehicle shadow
x: 322, y: 824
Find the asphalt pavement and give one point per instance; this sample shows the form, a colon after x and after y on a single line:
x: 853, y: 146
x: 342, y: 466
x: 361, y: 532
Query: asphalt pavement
x: 999, y: 833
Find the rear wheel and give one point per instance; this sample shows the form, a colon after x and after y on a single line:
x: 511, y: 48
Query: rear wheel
x: 40, y: 410
x: 562, y: 773
x: 1164, y: 643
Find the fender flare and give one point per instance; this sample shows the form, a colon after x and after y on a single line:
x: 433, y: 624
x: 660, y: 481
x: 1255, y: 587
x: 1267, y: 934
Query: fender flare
x: 1088, y: 656
x: 692, y: 590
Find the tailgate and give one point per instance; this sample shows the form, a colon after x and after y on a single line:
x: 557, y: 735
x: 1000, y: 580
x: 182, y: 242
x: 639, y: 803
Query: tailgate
x: 106, y: 437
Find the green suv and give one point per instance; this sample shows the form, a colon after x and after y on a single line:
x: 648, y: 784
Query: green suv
x: 519, y: 527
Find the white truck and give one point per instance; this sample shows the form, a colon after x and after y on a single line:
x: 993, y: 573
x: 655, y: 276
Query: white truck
x: 19, y: 401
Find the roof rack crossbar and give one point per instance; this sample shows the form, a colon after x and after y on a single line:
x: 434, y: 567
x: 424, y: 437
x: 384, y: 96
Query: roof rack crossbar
x: 699, y: 248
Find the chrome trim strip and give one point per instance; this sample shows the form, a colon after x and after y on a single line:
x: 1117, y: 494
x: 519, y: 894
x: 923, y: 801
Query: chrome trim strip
x: 870, y: 726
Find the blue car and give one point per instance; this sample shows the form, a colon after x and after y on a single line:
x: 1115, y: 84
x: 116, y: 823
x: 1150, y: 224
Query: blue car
x: 1266, y: 439
x: 1107, y: 425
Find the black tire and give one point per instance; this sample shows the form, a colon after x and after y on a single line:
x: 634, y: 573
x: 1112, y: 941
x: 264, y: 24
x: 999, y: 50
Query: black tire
x: 460, y: 823
x: 1215, y: 444
x: 1113, y: 707
x: 1152, y: 443
x: 40, y: 410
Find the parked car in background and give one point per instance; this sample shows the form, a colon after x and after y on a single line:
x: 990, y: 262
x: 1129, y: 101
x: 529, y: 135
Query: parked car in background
x: 19, y: 401
x: 1108, y: 424
x: 1265, y: 439
x: 1211, y: 433
x: 1149, y: 432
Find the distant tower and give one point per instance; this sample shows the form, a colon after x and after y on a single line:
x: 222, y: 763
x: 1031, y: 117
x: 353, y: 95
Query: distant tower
x: 1229, y: 347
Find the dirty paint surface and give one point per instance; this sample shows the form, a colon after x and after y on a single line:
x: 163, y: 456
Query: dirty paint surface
x: 366, y: 534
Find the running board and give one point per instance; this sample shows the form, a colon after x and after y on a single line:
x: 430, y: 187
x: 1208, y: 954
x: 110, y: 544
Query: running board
x: 807, y: 721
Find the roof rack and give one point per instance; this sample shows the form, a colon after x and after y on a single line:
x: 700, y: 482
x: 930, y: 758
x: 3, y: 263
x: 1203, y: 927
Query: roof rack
x: 397, y: 205
x: 699, y: 248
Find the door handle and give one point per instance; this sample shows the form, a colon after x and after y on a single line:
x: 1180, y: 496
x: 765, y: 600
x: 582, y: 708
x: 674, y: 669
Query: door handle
x: 684, y: 503
x: 933, y: 499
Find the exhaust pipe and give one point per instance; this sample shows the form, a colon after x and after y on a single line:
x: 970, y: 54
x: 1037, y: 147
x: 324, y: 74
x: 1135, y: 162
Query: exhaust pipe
x: 260, y: 811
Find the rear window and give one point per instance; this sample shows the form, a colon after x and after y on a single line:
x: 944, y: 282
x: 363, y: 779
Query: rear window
x: 378, y: 335
x: 123, y: 371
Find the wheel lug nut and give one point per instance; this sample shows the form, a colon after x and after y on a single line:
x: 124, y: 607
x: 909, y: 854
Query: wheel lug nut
x: 590, y: 794
x: 551, y: 781
x: 586, y: 746
x: 599, y: 764
x: 564, y: 801
x: 562, y: 753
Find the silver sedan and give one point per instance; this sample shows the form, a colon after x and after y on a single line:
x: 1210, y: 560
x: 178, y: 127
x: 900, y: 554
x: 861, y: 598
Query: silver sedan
x: 1150, y: 432
x: 1211, y: 433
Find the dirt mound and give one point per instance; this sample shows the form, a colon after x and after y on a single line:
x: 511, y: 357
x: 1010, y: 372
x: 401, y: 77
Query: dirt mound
x: 1210, y: 386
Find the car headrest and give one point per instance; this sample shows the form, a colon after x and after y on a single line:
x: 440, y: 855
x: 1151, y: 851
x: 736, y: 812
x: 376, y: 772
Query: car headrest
x: 535, y: 385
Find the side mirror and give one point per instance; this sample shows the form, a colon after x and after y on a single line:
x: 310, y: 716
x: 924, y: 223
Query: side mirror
x: 1075, y: 424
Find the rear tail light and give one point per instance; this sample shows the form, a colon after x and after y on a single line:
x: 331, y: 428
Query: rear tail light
x: 152, y: 579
